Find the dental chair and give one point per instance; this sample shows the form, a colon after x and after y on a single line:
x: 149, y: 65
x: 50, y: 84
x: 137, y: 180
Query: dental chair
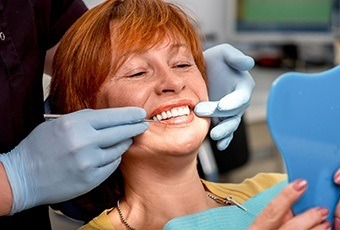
x: 303, y: 116
x: 213, y: 164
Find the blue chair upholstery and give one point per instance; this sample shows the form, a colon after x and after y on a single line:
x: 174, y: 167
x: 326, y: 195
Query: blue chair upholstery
x: 303, y: 115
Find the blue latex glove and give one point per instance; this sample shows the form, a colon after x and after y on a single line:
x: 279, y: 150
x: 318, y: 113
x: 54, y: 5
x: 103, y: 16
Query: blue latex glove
x: 69, y: 156
x: 230, y: 87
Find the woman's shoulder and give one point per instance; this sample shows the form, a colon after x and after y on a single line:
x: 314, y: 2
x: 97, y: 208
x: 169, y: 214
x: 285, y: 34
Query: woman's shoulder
x: 247, y: 188
x: 101, y: 222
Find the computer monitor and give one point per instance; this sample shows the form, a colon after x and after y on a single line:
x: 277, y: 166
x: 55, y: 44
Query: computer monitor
x: 281, y: 21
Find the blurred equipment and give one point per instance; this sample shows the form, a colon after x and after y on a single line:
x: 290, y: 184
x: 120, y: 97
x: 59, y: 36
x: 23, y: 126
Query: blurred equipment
x: 285, y: 34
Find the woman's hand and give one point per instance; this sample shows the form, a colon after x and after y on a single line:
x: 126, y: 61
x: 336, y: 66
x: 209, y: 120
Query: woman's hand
x: 337, y: 210
x: 278, y: 214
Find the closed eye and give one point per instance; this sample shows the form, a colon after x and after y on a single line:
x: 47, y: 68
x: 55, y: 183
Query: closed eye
x: 183, y: 65
x: 138, y: 74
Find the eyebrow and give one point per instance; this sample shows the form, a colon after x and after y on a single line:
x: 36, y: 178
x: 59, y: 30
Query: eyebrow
x: 175, y: 48
x: 179, y: 45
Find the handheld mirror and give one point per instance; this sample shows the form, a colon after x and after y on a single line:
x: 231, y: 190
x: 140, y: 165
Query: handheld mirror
x: 303, y: 116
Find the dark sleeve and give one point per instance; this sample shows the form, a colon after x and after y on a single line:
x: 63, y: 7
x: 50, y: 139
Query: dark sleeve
x: 63, y: 14
x: 53, y: 18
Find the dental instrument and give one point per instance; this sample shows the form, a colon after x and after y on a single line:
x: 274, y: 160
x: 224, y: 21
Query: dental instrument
x: 55, y: 116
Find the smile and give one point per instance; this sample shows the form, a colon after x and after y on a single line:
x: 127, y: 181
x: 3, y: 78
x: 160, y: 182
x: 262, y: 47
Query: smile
x: 172, y: 113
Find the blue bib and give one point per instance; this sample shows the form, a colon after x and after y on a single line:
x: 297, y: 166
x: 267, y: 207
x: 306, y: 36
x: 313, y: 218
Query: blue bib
x: 228, y: 217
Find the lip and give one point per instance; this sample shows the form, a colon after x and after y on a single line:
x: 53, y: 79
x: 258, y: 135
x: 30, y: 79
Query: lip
x: 174, y: 104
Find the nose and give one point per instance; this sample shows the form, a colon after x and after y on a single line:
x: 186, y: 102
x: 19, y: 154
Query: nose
x: 170, y: 82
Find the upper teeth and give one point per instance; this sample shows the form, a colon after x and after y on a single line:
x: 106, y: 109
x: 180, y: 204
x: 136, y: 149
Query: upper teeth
x: 174, y: 112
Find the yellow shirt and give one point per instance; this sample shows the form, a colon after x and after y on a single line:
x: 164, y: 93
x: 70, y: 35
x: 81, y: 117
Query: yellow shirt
x: 240, y: 192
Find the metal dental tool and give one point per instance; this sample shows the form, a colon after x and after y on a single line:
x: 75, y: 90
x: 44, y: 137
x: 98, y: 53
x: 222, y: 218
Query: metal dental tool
x: 55, y: 116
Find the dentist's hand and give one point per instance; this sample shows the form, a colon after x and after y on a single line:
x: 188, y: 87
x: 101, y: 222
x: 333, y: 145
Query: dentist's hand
x: 230, y: 87
x: 69, y: 156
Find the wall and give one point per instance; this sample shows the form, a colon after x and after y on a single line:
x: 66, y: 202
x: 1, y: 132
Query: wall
x: 209, y: 13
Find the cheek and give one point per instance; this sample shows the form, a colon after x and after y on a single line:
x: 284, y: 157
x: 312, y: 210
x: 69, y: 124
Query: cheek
x: 121, y: 96
x: 199, y: 87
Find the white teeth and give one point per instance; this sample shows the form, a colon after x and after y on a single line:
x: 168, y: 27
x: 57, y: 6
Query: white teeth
x: 186, y: 110
x: 164, y: 116
x: 174, y: 112
x: 168, y: 113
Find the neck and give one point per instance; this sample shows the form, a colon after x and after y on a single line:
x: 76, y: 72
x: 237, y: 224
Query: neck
x: 156, y: 193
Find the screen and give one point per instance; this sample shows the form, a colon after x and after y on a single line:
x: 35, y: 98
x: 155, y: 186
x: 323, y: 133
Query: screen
x: 284, y: 21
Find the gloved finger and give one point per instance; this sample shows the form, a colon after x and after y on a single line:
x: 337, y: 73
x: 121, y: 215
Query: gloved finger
x: 113, y: 135
x: 105, y: 171
x: 206, y: 109
x: 114, y: 153
x: 232, y: 56
x: 238, y: 60
x: 232, y: 104
x: 224, y: 143
x: 210, y: 109
x: 100, y: 157
x: 225, y: 128
x: 235, y: 102
x: 241, y: 94
x: 103, y: 118
x: 102, y: 173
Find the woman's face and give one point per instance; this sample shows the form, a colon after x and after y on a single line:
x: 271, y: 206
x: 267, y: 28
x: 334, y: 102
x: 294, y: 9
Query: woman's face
x: 166, y: 82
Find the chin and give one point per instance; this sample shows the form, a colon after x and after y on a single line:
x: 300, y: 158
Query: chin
x: 185, y: 146
x: 172, y: 140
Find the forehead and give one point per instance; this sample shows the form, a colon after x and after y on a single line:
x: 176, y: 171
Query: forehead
x: 169, y: 44
x: 173, y: 44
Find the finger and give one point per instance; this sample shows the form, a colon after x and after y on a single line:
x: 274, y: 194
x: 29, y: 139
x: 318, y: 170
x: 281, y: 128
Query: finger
x: 206, y: 109
x: 337, y: 223
x: 322, y: 226
x: 103, y: 118
x: 236, y: 59
x: 103, y: 172
x: 210, y: 109
x: 276, y: 211
x: 312, y: 218
x: 111, y: 136
x: 289, y: 215
x: 236, y: 101
x: 101, y: 157
x: 224, y: 143
x: 115, y: 152
x: 241, y: 95
x: 244, y: 63
x: 337, y: 177
x: 337, y: 217
x: 225, y: 127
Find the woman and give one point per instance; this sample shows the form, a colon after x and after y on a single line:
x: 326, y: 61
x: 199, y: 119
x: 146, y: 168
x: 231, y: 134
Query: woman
x: 146, y: 53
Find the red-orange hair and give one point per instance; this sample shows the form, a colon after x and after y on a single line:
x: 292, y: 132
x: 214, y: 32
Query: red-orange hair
x: 99, y: 42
